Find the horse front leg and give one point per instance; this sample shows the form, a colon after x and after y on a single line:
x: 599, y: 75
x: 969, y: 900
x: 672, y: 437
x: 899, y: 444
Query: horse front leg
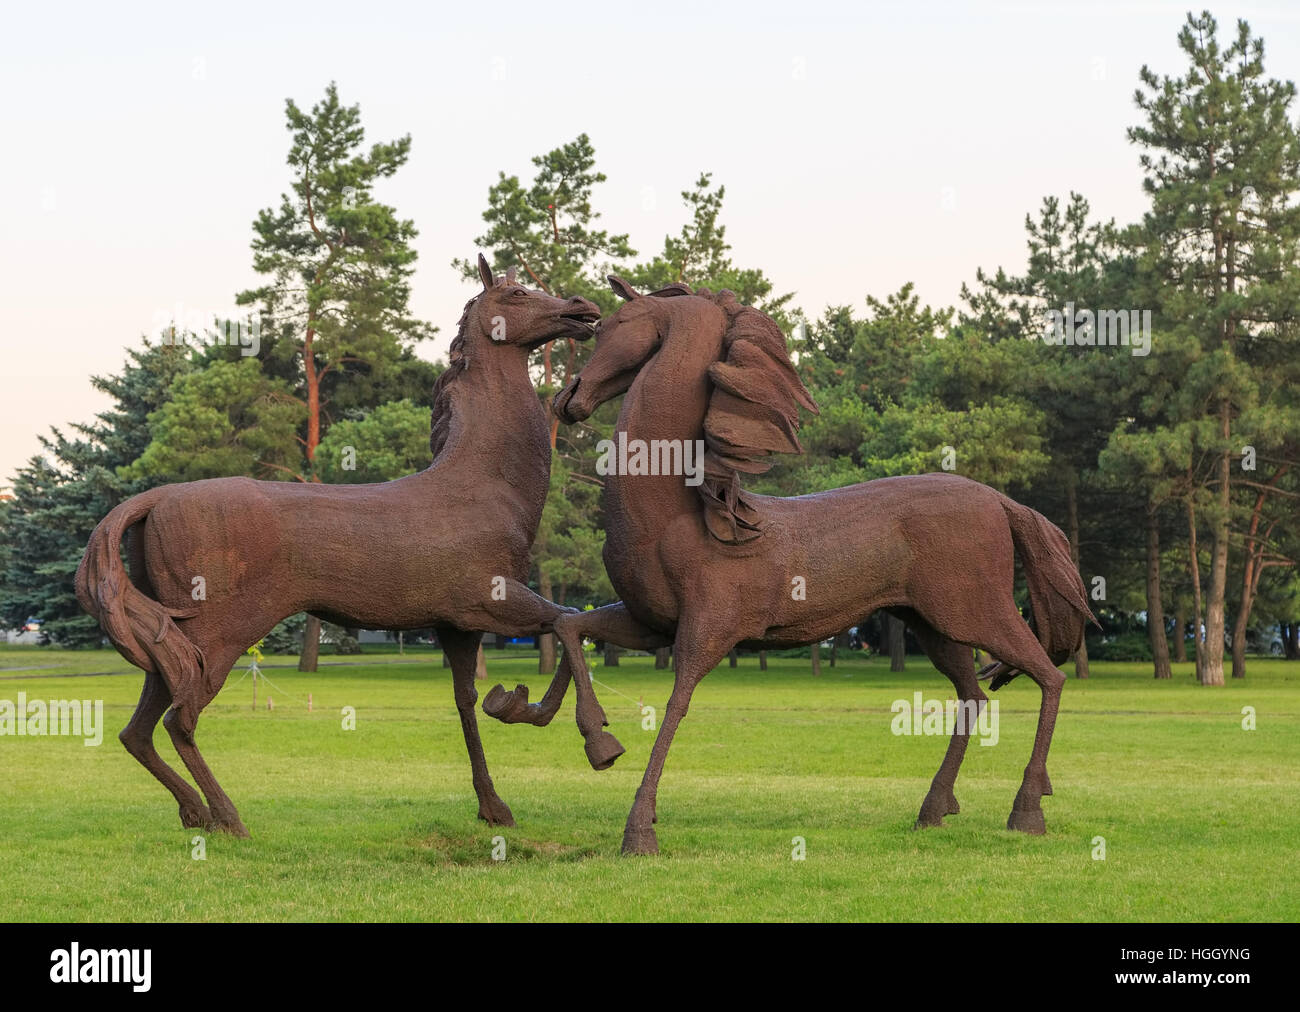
x: 462, y: 650
x: 699, y: 648
x: 612, y: 623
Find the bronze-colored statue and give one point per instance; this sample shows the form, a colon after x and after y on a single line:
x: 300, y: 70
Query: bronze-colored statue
x: 447, y: 548
x: 711, y: 566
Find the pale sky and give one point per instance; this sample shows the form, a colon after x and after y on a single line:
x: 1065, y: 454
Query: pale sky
x: 862, y: 145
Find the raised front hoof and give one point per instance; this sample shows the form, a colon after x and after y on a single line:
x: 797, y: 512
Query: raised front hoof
x: 1027, y: 821
x: 495, y: 812
x: 602, y: 750
x: 507, y: 707
x: 195, y: 816
x: 640, y: 842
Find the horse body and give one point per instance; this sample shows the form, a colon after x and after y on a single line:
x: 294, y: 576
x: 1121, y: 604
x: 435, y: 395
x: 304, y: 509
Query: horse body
x: 717, y: 567
x: 216, y: 564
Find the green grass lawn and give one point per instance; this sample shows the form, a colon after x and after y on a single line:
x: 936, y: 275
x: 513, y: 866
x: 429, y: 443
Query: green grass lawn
x: 1200, y: 817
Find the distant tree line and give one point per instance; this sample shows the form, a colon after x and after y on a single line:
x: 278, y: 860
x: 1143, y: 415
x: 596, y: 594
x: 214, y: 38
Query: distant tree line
x: 1169, y: 457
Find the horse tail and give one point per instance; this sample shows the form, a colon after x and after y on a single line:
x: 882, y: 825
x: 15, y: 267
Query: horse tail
x: 143, y: 630
x: 1058, y: 600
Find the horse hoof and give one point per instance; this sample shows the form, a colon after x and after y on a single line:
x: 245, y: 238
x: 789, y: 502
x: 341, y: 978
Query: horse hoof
x: 640, y: 842
x: 1027, y: 821
x: 506, y: 706
x: 496, y: 812
x: 934, y: 808
x: 227, y: 821
x: 602, y: 750
x: 196, y: 818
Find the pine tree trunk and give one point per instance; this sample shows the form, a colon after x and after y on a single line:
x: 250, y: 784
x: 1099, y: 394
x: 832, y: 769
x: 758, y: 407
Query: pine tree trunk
x: 1215, y: 607
x: 1194, y: 567
x: 1180, y: 635
x: 661, y: 658
x: 1239, y: 642
x: 1072, y: 519
x: 897, y: 643
x: 732, y: 657
x: 310, y: 644
x: 1155, y: 606
x: 817, y: 659
x: 1250, y: 578
x: 762, y: 660
x: 611, y: 654
x: 545, y: 642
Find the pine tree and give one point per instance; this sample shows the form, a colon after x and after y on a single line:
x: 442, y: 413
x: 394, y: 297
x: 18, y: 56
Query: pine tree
x: 1221, y: 239
x: 60, y: 497
x: 339, y: 264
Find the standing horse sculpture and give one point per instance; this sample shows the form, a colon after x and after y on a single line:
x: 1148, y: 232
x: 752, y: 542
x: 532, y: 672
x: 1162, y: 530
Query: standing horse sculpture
x: 713, y: 567
x: 447, y: 547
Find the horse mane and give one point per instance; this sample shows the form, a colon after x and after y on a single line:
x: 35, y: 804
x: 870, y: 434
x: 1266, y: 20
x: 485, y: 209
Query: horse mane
x: 457, y: 363
x: 753, y: 413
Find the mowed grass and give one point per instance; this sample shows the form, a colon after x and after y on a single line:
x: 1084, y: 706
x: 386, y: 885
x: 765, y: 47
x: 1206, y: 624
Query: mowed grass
x: 1200, y: 817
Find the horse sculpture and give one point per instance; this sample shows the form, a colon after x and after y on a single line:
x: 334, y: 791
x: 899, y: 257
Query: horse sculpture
x: 713, y: 567
x: 447, y: 547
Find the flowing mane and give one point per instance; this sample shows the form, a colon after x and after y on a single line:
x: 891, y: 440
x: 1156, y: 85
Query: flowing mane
x: 441, y: 417
x: 753, y: 413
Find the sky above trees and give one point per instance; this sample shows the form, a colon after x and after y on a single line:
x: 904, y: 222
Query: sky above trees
x: 861, y: 147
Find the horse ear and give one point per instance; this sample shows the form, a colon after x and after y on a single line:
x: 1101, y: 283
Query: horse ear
x: 485, y: 272
x: 622, y: 289
x: 510, y: 274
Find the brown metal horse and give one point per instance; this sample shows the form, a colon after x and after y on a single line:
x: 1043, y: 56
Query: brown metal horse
x: 447, y: 547
x: 713, y: 567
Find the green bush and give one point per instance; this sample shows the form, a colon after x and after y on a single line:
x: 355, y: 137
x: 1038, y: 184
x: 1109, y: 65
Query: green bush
x: 1127, y: 646
x: 347, y: 645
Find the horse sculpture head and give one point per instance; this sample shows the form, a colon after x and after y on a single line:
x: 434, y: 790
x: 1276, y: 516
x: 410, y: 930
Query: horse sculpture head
x: 507, y: 313
x: 625, y: 342
x: 754, y: 396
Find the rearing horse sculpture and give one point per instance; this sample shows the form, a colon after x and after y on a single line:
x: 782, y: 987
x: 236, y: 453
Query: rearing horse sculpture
x: 715, y: 567
x: 447, y: 547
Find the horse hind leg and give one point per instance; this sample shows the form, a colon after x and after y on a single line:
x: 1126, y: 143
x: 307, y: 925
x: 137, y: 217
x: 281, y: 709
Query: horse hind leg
x: 462, y: 651
x: 137, y: 737
x: 1017, y: 646
x: 180, y: 722
x: 958, y: 664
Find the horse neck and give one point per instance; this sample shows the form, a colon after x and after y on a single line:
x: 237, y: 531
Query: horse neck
x: 500, y: 432
x: 668, y: 400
